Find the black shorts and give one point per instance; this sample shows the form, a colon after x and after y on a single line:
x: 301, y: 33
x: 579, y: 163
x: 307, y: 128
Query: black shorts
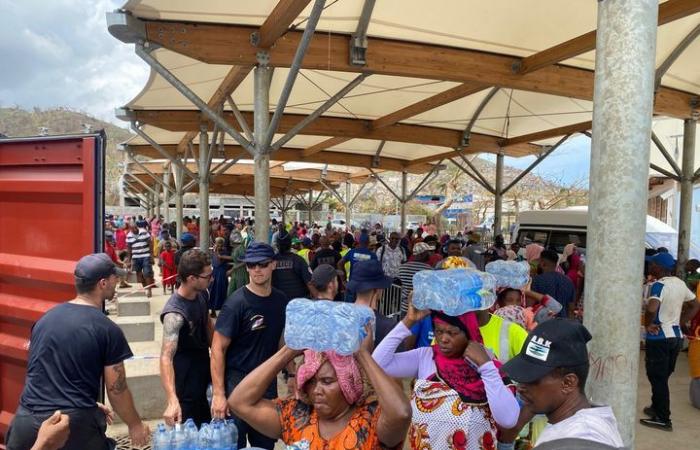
x: 87, y: 429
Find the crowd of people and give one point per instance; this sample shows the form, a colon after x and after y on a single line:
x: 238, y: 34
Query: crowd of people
x: 511, y: 375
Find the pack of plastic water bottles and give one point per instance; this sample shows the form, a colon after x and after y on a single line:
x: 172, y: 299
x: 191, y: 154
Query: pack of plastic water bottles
x: 323, y: 325
x: 301, y: 445
x: 511, y: 274
x: 454, y: 291
x: 217, y: 435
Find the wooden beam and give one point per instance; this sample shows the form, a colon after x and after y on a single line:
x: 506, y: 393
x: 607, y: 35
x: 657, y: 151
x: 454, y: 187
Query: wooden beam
x: 231, y: 81
x: 546, y: 134
x: 443, y: 98
x: 279, y: 20
x: 668, y: 11
x: 229, y: 44
x: 187, y: 120
x: 296, y: 154
x: 328, y: 143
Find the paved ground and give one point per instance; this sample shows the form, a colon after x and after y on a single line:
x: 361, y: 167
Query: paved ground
x: 686, y: 419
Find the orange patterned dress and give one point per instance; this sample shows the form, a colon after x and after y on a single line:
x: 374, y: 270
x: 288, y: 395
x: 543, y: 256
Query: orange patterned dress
x: 300, y: 422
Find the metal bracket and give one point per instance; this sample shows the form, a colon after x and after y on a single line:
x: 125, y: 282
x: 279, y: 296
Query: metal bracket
x: 695, y: 107
x: 263, y: 57
x: 375, y: 159
x: 254, y: 38
x: 358, y: 40
x: 125, y: 27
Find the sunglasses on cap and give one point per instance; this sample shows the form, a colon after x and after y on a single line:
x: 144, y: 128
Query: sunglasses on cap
x: 261, y: 264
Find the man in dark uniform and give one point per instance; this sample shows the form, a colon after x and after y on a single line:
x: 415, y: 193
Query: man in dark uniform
x: 72, y: 346
x: 187, y: 331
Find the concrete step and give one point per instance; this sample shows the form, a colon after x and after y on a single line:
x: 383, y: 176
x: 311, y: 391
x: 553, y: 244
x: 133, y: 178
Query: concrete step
x: 137, y: 329
x: 134, y: 306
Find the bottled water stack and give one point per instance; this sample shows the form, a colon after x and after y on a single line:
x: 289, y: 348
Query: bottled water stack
x: 218, y: 435
x: 511, y: 274
x: 454, y: 291
x: 323, y: 325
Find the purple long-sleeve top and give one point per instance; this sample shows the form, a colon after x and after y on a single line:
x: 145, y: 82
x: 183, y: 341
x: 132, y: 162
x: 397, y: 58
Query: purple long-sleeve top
x: 419, y: 363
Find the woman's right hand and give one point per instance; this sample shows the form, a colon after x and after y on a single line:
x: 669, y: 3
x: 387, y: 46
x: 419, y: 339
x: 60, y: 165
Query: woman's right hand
x: 414, y: 315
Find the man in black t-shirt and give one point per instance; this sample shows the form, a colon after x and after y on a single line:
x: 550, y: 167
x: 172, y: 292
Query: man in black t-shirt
x: 187, y: 331
x: 325, y: 255
x: 291, y: 274
x: 72, y: 347
x: 248, y: 332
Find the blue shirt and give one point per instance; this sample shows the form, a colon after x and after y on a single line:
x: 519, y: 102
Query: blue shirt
x: 423, y: 331
x: 358, y: 254
x: 557, y: 286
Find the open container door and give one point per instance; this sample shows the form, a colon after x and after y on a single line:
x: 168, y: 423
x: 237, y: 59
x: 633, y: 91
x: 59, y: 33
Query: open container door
x: 51, y: 214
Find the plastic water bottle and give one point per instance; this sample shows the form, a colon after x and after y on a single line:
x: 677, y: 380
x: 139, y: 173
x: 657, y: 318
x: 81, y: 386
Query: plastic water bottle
x: 323, y: 325
x: 512, y: 274
x: 454, y: 291
x: 548, y: 309
x: 179, y: 441
x: 232, y: 431
x: 217, y: 437
x: 161, y: 438
x: 203, y: 439
x: 190, y: 435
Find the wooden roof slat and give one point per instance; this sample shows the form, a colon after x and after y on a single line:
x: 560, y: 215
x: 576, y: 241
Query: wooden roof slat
x: 279, y: 20
x: 328, y: 143
x: 668, y: 12
x: 228, y: 44
x: 546, y: 134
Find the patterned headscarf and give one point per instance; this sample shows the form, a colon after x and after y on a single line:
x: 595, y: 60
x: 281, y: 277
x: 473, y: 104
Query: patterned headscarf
x: 346, y: 370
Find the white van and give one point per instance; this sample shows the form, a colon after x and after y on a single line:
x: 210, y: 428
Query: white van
x: 555, y: 228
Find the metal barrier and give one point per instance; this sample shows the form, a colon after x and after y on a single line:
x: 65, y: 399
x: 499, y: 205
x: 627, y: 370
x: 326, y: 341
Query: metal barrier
x: 390, y: 303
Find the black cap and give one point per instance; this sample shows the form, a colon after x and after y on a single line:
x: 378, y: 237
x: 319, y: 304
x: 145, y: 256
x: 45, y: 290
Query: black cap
x: 368, y: 275
x: 322, y: 275
x: 97, y: 266
x: 554, y: 343
x: 258, y: 252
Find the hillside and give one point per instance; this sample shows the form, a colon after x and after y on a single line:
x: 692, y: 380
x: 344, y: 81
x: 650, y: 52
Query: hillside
x: 17, y: 122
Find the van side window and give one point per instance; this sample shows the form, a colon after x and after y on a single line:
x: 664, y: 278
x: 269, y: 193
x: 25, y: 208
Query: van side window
x: 559, y: 239
x: 526, y: 237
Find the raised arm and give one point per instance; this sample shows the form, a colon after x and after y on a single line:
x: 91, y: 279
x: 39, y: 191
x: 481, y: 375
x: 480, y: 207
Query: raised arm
x: 172, y: 323
x: 395, y: 417
x: 123, y: 403
x: 247, y: 402
x: 219, y: 345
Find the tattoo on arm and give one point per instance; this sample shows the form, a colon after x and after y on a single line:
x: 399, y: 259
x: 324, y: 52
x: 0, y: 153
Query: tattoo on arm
x: 172, y: 323
x: 119, y: 385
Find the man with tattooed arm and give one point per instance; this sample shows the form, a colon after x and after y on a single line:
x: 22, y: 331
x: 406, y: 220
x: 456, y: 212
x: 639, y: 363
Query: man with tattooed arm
x: 187, y: 333
x: 72, y: 347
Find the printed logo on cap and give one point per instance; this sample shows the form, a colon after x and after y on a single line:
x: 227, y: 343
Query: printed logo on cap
x: 538, y: 348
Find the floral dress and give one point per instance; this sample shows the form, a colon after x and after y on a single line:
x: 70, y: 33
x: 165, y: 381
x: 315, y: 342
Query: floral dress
x: 300, y: 422
x: 442, y: 421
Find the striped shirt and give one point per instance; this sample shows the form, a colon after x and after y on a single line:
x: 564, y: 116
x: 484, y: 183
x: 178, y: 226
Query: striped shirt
x: 406, y: 272
x: 140, y: 244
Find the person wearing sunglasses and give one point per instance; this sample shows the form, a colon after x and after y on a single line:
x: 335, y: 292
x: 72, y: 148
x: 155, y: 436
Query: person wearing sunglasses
x: 248, y: 332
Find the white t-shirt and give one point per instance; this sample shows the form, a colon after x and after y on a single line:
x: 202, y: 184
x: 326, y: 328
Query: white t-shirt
x: 671, y: 292
x: 596, y: 424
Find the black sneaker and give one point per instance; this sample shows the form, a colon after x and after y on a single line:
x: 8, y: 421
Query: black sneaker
x: 655, y: 422
x: 649, y: 411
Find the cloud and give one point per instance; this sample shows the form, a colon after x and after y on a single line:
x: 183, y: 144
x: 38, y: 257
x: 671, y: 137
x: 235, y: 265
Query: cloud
x: 59, y: 53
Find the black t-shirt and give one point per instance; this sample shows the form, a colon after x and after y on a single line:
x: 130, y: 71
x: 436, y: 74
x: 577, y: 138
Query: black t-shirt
x: 325, y: 256
x: 254, y: 324
x: 193, y: 335
x: 70, y: 347
x: 291, y: 276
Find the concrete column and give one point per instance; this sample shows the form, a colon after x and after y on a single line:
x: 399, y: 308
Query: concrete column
x: 261, y: 119
x: 622, y: 112
x: 203, y: 188
x: 156, y: 188
x: 178, y: 174
x: 166, y: 196
x: 348, y: 207
x: 402, y: 202
x: 498, y: 200
x: 686, y: 203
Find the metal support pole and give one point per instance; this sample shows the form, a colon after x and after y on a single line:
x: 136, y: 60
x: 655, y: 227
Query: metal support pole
x: 261, y: 119
x: 162, y: 151
x: 534, y: 164
x: 686, y: 203
x: 241, y: 120
x: 203, y: 188
x: 378, y: 178
x: 311, y: 207
x: 156, y: 187
x: 167, y: 191
x: 484, y: 181
x: 426, y: 180
x: 498, y: 196
x: 403, y: 200
x: 348, y: 204
x: 671, y: 161
x: 622, y: 112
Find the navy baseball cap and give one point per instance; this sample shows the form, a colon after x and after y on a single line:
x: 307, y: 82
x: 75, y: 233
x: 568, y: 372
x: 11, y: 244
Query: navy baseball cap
x: 368, y: 275
x: 323, y: 274
x: 187, y: 238
x: 555, y: 343
x: 258, y: 252
x: 664, y: 260
x: 97, y: 266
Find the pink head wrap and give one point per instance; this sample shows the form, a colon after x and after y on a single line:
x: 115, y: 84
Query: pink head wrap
x: 346, y: 370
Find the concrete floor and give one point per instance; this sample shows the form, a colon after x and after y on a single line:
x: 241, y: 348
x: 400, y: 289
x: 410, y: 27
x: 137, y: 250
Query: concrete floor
x: 686, y: 419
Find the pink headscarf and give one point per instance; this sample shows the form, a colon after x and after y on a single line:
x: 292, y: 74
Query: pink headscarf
x: 533, y: 251
x: 346, y: 369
